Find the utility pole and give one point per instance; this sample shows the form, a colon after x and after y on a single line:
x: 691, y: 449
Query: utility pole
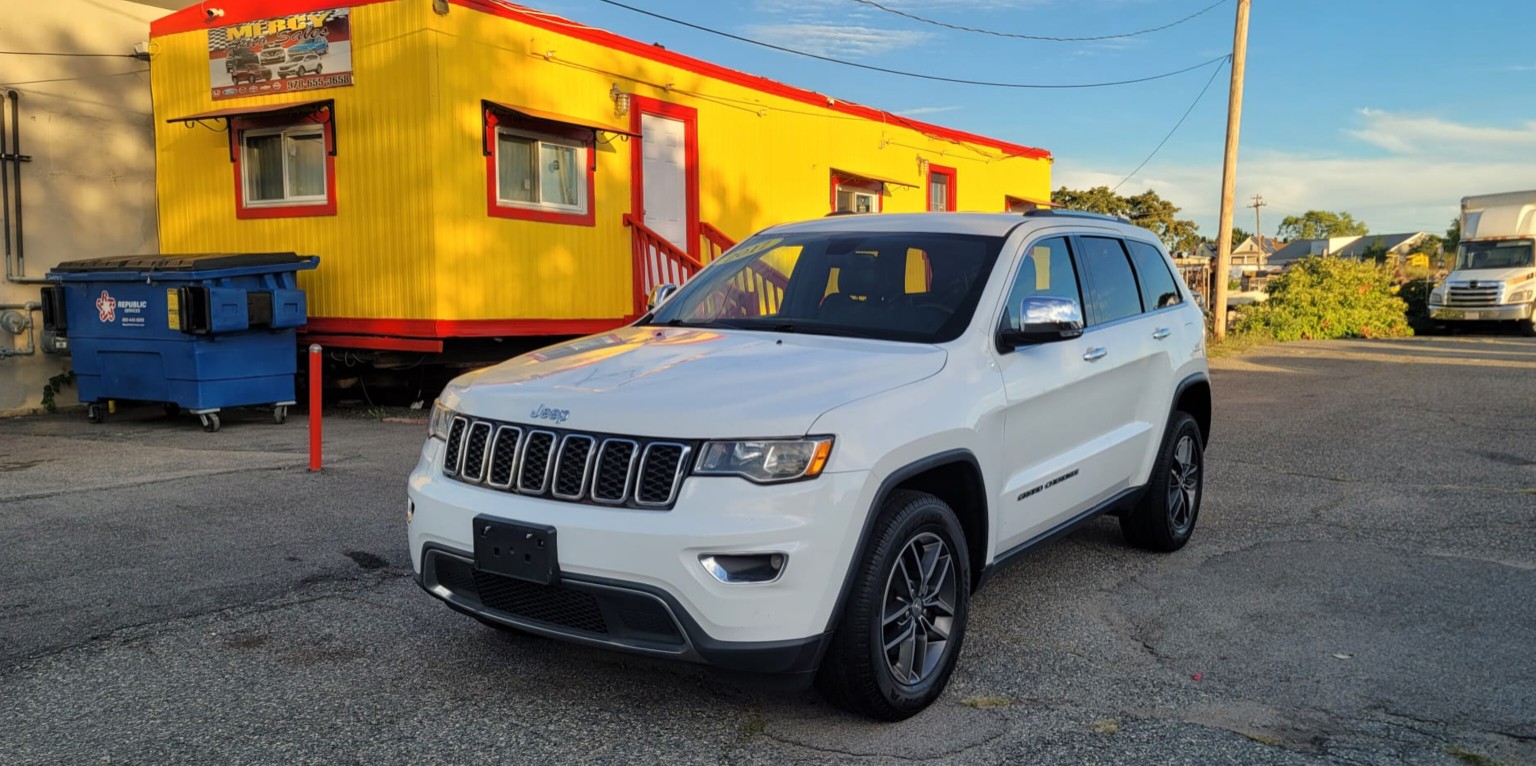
x: 1258, y: 228
x: 1229, y: 171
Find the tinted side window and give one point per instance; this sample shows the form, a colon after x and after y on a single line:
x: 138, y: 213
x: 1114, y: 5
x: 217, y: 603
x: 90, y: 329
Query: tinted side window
x: 1112, y: 292
x: 1158, y: 288
x: 1045, y: 270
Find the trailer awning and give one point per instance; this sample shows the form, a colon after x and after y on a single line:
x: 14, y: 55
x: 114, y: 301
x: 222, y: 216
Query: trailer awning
x: 853, y: 175
x: 295, y: 109
x: 565, y: 119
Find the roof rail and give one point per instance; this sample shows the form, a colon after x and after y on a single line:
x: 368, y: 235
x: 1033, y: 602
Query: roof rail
x: 1059, y: 213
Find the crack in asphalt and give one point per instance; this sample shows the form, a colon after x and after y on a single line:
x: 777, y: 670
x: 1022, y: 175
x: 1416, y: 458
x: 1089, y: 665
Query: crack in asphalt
x: 262, y: 605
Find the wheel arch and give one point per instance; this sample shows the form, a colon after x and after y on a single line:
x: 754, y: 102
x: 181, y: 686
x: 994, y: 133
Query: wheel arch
x: 953, y: 476
x: 1193, y: 395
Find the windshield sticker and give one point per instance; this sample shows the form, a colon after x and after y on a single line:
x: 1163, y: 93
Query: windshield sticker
x: 750, y: 249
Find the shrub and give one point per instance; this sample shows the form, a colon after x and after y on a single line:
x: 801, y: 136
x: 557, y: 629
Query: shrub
x: 1325, y: 297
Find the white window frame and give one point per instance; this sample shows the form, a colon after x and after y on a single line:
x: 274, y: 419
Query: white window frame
x: 285, y: 131
x: 583, y: 156
x: 858, y: 191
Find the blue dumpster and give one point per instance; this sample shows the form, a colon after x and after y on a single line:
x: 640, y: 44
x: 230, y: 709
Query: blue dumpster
x: 196, y: 332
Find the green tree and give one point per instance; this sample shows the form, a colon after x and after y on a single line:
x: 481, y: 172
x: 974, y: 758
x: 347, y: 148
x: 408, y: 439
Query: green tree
x: 1321, y: 224
x: 1453, y: 235
x: 1238, y: 235
x: 1146, y: 209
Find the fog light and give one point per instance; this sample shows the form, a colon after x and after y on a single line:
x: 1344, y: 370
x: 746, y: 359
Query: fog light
x: 410, y: 511
x: 739, y: 568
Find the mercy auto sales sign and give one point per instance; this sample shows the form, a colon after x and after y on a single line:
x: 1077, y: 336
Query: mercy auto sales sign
x: 305, y: 51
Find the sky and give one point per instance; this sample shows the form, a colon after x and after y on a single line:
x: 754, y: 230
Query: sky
x: 1391, y: 110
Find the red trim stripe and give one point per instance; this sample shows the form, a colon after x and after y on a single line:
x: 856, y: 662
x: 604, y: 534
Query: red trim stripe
x: 607, y: 39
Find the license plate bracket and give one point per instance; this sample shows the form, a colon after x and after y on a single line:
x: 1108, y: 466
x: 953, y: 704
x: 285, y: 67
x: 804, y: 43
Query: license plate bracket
x: 522, y: 551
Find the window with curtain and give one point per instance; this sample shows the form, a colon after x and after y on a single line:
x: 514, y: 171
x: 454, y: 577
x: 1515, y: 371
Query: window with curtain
x: 284, y: 166
x: 540, y: 172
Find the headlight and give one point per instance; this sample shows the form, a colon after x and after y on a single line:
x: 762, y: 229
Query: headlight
x: 765, y: 460
x: 1519, y: 296
x: 440, y: 421
x: 1437, y: 295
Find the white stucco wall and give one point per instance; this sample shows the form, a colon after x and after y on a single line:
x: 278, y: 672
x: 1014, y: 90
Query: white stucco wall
x: 90, y: 187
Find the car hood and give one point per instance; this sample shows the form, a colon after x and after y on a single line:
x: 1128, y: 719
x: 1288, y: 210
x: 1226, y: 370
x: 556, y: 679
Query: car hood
x: 689, y: 383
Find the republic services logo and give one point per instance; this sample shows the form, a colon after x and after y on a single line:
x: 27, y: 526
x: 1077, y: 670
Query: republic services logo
x: 106, y: 307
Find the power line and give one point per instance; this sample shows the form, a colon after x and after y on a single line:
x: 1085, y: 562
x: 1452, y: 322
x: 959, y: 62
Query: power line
x: 920, y: 76
x: 69, y: 55
x: 958, y: 27
x: 1175, y: 126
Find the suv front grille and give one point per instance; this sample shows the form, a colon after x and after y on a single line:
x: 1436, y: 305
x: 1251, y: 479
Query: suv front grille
x: 566, y: 465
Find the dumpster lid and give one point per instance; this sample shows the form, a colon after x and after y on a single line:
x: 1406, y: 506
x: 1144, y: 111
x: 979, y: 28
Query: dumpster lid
x: 191, y: 262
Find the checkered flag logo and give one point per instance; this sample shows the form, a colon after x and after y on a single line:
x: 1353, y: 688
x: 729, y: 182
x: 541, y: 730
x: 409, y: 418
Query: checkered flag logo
x: 218, y: 39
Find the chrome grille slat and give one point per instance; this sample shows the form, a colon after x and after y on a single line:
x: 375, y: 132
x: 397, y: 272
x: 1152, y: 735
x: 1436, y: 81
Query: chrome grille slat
x: 538, y: 458
x: 475, y: 442
x: 615, y: 470
x: 454, y: 450
x: 568, y: 466
x: 660, y: 474
x: 504, y: 457
x: 572, y: 464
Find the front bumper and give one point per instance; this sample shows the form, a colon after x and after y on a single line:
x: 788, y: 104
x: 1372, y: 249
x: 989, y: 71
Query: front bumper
x: 1479, y: 313
x: 645, y: 564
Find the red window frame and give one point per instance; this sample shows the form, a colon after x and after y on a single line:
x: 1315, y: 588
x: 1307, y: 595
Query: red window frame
x: 855, y: 183
x: 239, y: 125
x: 588, y: 140
x: 951, y: 193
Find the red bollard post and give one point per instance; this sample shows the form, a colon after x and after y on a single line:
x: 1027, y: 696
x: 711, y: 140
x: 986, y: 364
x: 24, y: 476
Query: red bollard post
x: 314, y: 408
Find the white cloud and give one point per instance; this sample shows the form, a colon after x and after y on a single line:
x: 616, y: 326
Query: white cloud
x: 840, y: 40
x: 1410, y: 134
x: 1431, y: 163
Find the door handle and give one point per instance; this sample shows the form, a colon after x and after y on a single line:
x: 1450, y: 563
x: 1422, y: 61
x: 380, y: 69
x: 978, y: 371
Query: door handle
x: 1160, y: 333
x: 1095, y: 354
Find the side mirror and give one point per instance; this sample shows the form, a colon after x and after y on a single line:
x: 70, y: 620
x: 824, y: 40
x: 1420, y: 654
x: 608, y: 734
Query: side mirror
x: 659, y: 295
x: 1043, y: 319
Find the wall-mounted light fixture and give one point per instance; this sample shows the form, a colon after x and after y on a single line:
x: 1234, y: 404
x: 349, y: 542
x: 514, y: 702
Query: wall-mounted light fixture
x: 620, y: 100
x: 440, y: 7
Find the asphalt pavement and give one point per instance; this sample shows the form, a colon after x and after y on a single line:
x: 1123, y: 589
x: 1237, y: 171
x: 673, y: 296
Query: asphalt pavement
x: 1359, y: 590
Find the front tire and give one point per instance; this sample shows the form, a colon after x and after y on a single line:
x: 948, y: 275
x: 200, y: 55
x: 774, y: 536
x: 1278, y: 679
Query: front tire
x: 904, y: 622
x: 1165, y: 517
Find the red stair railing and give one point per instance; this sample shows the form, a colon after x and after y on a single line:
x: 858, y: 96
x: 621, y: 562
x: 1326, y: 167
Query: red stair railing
x: 657, y: 261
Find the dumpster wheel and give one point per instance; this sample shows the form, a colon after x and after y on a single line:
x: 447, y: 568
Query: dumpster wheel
x: 280, y: 414
x: 95, y: 413
x: 210, y: 421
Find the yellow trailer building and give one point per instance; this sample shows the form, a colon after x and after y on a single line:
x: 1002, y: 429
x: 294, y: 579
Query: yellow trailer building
x: 477, y: 169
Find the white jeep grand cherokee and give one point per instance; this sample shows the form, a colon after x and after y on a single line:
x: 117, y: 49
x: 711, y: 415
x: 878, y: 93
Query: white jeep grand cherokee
x: 806, y: 459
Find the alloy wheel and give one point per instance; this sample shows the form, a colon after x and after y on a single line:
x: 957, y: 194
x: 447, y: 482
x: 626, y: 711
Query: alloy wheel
x: 919, y: 609
x: 1183, y: 484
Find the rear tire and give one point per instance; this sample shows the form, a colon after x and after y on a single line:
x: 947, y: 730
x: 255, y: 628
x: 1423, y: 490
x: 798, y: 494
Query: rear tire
x: 1165, y: 517
x: 904, y: 623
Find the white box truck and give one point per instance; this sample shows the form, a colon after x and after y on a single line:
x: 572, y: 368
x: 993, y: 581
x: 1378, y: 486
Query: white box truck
x: 1495, y: 274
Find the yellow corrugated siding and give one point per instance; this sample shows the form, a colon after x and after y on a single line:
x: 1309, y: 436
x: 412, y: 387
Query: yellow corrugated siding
x: 376, y: 252
x: 412, y: 238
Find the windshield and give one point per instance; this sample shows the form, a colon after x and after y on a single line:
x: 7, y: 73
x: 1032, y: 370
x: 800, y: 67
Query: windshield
x: 1505, y: 254
x: 893, y: 286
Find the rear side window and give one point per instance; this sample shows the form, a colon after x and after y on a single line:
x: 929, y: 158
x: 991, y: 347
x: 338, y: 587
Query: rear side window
x: 1158, y: 288
x: 1111, y: 292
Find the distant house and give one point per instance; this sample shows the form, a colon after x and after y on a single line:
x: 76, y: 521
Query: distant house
x: 1395, y: 245
x: 1252, y: 254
